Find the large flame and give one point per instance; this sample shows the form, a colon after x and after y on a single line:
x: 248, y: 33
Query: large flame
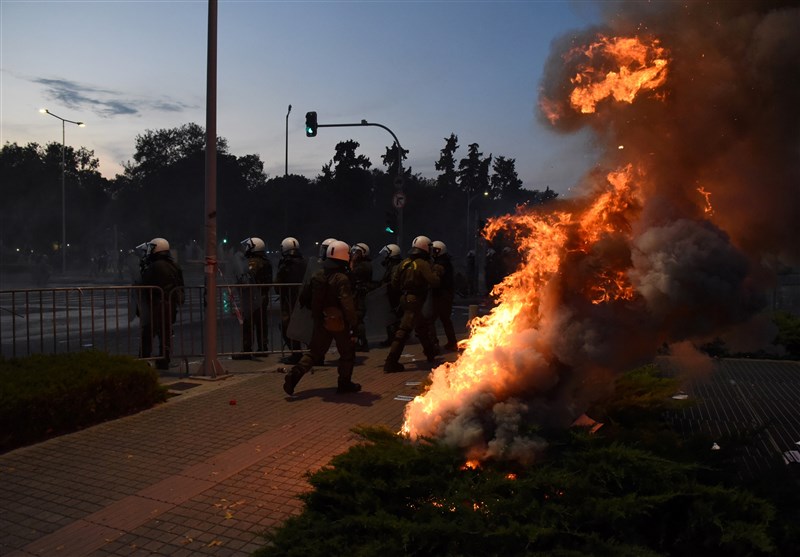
x: 617, y: 68
x: 522, y: 323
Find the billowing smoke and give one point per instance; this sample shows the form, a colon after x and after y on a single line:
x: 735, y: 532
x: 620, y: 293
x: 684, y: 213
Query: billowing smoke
x: 695, y: 109
x: 727, y: 118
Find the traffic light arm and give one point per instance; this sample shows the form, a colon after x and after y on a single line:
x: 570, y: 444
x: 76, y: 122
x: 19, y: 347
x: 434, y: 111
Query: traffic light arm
x: 365, y: 123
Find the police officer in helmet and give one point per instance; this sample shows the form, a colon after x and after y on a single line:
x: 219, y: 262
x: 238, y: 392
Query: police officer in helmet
x: 414, y: 277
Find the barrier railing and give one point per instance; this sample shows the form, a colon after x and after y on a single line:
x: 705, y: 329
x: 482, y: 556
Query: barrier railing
x: 124, y: 319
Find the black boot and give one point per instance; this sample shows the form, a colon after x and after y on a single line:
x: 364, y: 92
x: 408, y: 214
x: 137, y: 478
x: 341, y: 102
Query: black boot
x: 392, y: 366
x: 290, y: 381
x: 347, y: 387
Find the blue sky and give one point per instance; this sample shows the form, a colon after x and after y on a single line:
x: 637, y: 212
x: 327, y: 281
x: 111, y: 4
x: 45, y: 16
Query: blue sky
x: 423, y: 69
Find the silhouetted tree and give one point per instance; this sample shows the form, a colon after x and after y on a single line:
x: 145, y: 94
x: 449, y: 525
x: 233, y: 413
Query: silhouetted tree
x: 32, y: 201
x: 473, y: 171
x: 447, y: 181
x: 504, y: 182
x: 390, y: 160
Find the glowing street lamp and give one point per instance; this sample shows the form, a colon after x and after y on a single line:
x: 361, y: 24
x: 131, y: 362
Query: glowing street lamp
x: 63, y: 189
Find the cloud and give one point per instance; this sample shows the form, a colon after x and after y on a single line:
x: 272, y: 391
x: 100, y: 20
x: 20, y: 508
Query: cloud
x: 103, y: 102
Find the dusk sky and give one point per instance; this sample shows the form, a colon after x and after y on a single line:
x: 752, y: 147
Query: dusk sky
x: 423, y: 69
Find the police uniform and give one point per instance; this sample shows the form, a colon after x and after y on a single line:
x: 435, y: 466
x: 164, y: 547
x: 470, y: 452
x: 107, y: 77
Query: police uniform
x: 443, y: 296
x: 329, y: 287
x: 255, y: 302
x: 291, y: 269
x: 161, y: 271
x: 413, y: 278
x: 361, y: 274
x: 391, y: 264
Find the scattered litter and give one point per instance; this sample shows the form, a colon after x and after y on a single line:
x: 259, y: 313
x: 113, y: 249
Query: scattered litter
x: 715, y: 447
x: 680, y: 395
x: 404, y: 398
x: 413, y: 383
x: 585, y: 421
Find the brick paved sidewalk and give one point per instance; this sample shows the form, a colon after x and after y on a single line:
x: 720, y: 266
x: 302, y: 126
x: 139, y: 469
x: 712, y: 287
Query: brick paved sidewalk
x: 198, y: 475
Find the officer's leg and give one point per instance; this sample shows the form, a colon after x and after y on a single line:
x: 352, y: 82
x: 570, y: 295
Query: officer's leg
x: 447, y: 324
x: 346, y: 349
x: 320, y: 342
x: 400, y: 337
x: 424, y: 335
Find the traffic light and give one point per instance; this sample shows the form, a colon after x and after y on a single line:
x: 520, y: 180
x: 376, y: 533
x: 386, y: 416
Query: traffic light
x: 391, y: 222
x: 311, y: 124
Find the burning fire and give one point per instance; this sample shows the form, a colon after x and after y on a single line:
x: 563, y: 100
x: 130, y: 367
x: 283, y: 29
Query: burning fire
x: 608, y: 279
x: 708, y: 209
x: 618, y: 68
x: 527, y: 303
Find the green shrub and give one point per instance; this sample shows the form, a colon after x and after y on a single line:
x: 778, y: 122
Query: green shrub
x: 46, y: 395
x: 606, y: 494
x: 788, y: 332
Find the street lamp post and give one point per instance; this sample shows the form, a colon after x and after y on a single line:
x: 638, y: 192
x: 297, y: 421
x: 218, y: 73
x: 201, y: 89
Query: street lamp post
x: 469, y: 202
x: 63, y: 186
x: 286, y: 170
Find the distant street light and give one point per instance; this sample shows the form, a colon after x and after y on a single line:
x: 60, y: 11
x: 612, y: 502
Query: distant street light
x: 286, y: 171
x: 63, y: 189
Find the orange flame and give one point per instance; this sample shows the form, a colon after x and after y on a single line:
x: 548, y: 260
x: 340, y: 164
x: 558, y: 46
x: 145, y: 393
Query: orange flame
x: 524, y: 323
x: 638, y: 67
x: 618, y: 68
x: 708, y: 209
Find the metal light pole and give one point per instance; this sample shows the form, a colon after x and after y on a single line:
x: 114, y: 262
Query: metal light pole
x: 211, y: 365
x: 469, y: 201
x: 63, y: 186
x: 286, y: 171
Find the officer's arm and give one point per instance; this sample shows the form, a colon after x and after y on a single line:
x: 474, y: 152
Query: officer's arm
x: 345, y: 295
x: 431, y: 277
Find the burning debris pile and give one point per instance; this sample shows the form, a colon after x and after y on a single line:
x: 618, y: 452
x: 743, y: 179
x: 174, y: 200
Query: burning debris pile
x: 697, y: 189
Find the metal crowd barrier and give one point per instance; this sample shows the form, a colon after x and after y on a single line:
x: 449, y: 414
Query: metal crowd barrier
x: 112, y: 319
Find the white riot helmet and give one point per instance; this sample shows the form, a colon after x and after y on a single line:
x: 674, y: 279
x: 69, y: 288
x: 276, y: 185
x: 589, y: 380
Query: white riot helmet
x: 253, y: 244
x: 157, y: 245
x: 360, y: 248
x: 289, y: 244
x: 339, y: 250
x: 422, y: 243
x: 438, y: 247
x: 323, y: 248
x: 390, y: 250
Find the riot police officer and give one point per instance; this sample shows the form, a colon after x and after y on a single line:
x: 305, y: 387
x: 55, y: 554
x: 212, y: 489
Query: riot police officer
x: 329, y: 294
x: 361, y: 273
x: 159, y: 306
x: 442, y: 295
x: 291, y: 269
x: 391, y: 259
x: 255, y: 299
x: 414, y: 277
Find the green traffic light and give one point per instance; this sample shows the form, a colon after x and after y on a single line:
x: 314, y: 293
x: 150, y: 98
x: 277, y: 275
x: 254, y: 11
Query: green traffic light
x: 389, y: 230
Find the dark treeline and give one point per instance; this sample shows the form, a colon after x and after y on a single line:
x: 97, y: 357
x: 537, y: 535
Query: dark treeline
x: 162, y: 193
